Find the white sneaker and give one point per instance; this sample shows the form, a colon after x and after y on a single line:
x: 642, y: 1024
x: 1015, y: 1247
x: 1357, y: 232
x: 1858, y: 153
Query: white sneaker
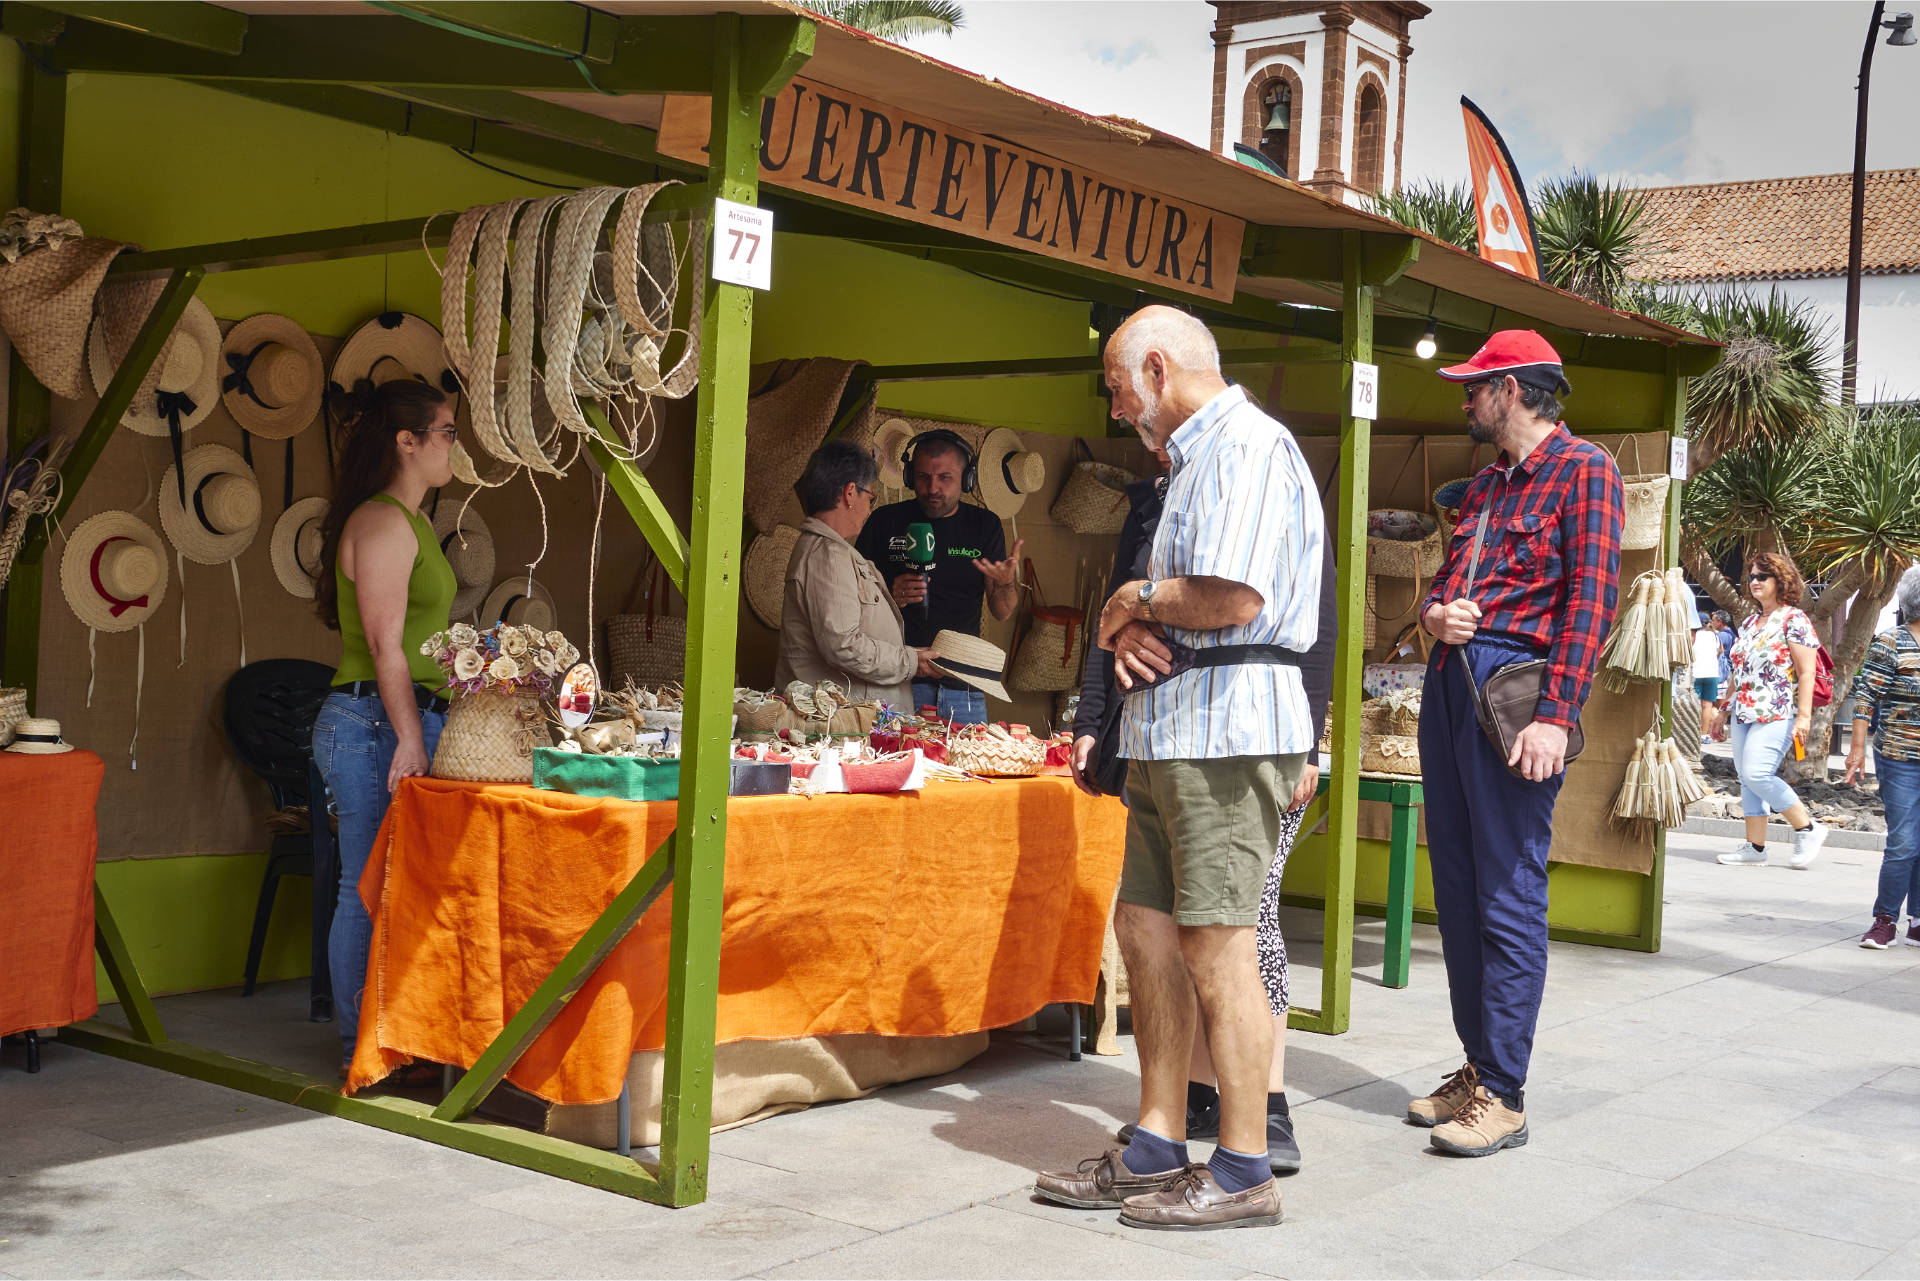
x: 1806, y: 845
x: 1746, y: 854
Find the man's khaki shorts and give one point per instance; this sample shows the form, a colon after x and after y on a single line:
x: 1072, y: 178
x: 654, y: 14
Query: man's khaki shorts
x: 1201, y: 834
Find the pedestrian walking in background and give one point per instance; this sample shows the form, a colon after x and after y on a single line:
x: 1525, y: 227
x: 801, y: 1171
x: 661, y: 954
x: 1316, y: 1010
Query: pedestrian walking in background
x: 1532, y: 573
x: 1706, y: 676
x: 1774, y: 659
x: 1887, y: 693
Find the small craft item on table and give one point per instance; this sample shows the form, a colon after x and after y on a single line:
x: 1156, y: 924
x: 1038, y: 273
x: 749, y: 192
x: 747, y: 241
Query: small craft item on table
x: 803, y: 711
x: 1380, y: 679
x: 498, y: 679
x: 996, y: 751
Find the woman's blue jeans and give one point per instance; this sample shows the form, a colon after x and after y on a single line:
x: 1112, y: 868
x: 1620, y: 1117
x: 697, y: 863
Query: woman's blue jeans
x: 1900, y: 868
x: 1758, y: 749
x: 353, y: 744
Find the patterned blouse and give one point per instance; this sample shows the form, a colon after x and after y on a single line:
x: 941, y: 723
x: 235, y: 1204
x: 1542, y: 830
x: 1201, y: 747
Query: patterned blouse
x: 1889, y: 691
x: 1763, y: 677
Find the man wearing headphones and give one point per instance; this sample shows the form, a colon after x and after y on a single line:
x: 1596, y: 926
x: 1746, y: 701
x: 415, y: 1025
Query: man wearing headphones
x: 970, y: 562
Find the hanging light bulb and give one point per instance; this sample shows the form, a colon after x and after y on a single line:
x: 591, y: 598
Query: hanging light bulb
x: 1429, y: 344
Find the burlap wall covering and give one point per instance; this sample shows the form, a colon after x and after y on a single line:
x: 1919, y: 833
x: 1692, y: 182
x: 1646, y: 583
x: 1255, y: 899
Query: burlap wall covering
x: 189, y: 795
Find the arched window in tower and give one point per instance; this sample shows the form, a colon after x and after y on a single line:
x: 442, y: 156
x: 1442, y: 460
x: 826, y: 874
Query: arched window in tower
x: 1369, y: 137
x: 1276, y: 124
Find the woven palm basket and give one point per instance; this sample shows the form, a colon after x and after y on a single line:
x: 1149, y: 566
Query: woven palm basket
x: 13, y: 709
x: 998, y: 758
x: 1390, y: 754
x: 1094, y: 499
x: 1646, y: 518
x: 1686, y: 722
x: 490, y: 737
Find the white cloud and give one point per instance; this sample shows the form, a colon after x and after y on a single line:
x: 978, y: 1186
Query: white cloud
x: 1658, y: 93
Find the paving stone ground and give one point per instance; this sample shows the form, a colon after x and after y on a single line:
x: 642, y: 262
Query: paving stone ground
x: 1746, y: 1103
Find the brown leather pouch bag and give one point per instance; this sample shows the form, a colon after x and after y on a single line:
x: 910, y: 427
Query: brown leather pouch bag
x: 1505, y: 703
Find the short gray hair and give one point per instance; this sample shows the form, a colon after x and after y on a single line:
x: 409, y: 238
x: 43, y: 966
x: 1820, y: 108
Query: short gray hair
x: 1186, y: 343
x: 833, y: 467
x: 1907, y: 596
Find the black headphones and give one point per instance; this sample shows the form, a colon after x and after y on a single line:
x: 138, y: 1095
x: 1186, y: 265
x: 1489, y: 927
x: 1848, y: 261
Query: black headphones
x: 969, y: 470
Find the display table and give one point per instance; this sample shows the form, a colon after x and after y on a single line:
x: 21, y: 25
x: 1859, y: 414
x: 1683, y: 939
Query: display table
x: 1405, y: 797
x: 963, y: 907
x: 48, y: 839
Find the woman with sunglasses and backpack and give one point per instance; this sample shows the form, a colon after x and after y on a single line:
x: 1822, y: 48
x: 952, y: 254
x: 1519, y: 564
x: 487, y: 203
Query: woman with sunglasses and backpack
x: 1775, y: 659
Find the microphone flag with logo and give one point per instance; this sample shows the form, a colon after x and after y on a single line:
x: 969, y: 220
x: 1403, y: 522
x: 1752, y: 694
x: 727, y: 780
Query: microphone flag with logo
x: 1500, y: 207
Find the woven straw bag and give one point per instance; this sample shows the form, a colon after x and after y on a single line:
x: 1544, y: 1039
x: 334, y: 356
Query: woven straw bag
x: 793, y: 405
x: 1390, y: 754
x: 1403, y: 544
x: 1094, y: 499
x: 490, y: 737
x: 13, y: 709
x: 1646, y: 518
x: 1052, y: 652
x: 647, y: 645
x: 1379, y: 716
x: 1686, y: 721
x: 998, y: 757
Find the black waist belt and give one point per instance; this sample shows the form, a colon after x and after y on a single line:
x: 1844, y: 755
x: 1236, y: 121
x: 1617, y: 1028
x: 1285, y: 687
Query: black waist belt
x: 427, y: 700
x: 1235, y: 655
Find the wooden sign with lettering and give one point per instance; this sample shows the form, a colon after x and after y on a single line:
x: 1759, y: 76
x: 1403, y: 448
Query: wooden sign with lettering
x: 852, y: 150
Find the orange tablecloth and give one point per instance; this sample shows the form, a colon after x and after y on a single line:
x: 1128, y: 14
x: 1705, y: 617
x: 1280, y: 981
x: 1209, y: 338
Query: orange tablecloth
x: 48, y: 839
x: 966, y: 906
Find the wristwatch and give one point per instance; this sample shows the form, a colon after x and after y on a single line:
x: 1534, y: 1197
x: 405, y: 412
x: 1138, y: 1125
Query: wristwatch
x: 1146, y: 598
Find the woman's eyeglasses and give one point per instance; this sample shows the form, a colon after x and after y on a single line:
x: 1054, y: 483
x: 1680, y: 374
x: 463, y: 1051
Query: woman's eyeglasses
x: 451, y: 433
x: 1758, y: 577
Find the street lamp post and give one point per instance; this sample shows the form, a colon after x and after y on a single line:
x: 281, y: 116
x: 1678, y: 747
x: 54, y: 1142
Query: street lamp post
x: 1901, y: 33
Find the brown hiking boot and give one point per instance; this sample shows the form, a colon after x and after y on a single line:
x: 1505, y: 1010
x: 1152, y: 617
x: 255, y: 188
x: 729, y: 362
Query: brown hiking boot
x: 1195, y: 1203
x: 1445, y: 1101
x: 1101, y: 1182
x: 1483, y: 1125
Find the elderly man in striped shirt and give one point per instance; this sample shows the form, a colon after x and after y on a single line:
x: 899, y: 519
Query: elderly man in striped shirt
x: 1217, y: 729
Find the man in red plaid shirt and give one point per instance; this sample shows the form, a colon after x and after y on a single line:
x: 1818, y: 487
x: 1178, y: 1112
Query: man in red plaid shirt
x: 1546, y: 517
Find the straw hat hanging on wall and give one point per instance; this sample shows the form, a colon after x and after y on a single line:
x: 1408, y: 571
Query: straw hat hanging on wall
x: 46, y: 304
x: 182, y: 385
x: 114, y: 576
x: 272, y: 376
x: 295, y: 546
x: 521, y: 601
x: 1008, y: 472
x: 890, y: 440
x: 392, y: 345
x: 468, y: 543
x: 216, y: 522
x: 764, y: 573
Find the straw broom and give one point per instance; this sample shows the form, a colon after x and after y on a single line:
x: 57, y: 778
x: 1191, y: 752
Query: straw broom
x: 1679, y: 635
x: 1620, y: 657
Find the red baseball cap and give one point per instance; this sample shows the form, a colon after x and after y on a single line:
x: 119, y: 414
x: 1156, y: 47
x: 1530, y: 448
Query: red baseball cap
x: 1523, y: 353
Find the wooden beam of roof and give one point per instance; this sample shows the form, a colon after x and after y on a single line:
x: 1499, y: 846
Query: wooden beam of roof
x: 654, y: 54
x: 1051, y: 366
x: 564, y: 28
x: 181, y: 22
x: 1313, y: 253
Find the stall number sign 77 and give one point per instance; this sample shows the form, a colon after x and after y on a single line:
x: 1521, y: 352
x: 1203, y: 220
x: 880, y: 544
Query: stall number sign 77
x: 742, y: 245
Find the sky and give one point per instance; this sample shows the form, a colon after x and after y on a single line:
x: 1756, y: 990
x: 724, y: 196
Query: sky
x: 1651, y: 93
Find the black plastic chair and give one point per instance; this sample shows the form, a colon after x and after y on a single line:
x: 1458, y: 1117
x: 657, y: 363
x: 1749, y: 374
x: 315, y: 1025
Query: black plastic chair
x: 270, y: 710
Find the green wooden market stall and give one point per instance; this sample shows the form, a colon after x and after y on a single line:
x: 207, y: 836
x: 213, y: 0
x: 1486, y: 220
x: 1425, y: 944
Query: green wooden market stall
x: 297, y: 161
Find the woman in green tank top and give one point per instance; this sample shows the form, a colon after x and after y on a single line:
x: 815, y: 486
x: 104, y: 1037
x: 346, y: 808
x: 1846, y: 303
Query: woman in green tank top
x: 385, y: 586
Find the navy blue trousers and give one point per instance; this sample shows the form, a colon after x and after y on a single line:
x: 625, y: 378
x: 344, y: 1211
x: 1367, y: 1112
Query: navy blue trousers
x: 1487, y: 837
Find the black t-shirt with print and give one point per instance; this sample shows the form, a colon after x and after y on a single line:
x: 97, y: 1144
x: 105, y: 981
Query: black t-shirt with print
x: 955, y: 589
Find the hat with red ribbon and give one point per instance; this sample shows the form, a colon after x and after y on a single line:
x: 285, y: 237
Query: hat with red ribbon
x: 1524, y: 354
x: 114, y: 571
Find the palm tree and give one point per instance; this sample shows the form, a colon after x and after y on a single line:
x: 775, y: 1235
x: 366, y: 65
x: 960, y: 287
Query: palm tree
x: 1774, y: 380
x: 896, y: 20
x: 1591, y: 236
x: 1443, y: 212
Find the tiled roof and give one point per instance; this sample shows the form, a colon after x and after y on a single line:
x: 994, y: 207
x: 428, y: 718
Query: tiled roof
x: 1783, y: 227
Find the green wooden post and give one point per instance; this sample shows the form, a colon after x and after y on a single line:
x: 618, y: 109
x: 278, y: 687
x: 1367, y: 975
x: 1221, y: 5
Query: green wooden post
x: 1673, y: 418
x: 117, y: 959
x: 1350, y: 552
x: 43, y: 125
x: 637, y: 495
x: 713, y: 607
x: 1401, y: 852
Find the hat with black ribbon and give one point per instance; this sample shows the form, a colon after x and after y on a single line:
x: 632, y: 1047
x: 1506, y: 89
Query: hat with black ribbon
x: 182, y: 386
x: 271, y: 383
x: 978, y: 662
x: 214, y: 523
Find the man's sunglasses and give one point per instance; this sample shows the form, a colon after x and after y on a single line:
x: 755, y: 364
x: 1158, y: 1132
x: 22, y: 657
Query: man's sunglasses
x: 1486, y: 382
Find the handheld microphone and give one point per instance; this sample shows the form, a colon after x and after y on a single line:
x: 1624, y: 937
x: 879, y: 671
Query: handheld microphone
x: 920, y: 557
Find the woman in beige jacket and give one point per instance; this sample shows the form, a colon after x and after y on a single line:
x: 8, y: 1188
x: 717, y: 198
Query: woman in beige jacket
x: 839, y: 622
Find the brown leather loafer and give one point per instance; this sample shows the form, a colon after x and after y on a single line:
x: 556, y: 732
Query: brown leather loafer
x: 1195, y: 1203
x: 1101, y: 1183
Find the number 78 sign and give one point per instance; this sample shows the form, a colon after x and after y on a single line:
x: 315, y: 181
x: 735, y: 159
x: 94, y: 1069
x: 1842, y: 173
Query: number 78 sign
x: 742, y: 245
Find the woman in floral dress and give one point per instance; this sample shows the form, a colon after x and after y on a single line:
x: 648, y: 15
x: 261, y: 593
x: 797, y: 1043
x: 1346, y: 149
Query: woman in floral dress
x: 1774, y: 658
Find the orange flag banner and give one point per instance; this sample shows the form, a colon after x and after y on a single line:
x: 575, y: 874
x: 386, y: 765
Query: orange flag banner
x: 1499, y: 198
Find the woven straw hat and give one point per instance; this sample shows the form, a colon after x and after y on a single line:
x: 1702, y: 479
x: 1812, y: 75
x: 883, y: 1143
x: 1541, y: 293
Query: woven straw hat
x: 392, y: 345
x: 522, y: 602
x: 114, y: 571
x: 889, y: 444
x: 1009, y: 472
x: 189, y: 364
x: 46, y: 303
x: 468, y: 543
x: 969, y: 658
x: 295, y: 546
x: 222, y: 509
x: 37, y: 736
x: 272, y: 376
x: 764, y: 578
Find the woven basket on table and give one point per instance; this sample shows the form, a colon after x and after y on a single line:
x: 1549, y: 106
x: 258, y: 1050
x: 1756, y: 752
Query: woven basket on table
x: 1403, y: 544
x: 1050, y: 654
x: 1094, y: 499
x: 648, y: 646
x: 1378, y: 716
x: 490, y: 737
x: 13, y: 708
x: 998, y: 757
x: 1390, y: 754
